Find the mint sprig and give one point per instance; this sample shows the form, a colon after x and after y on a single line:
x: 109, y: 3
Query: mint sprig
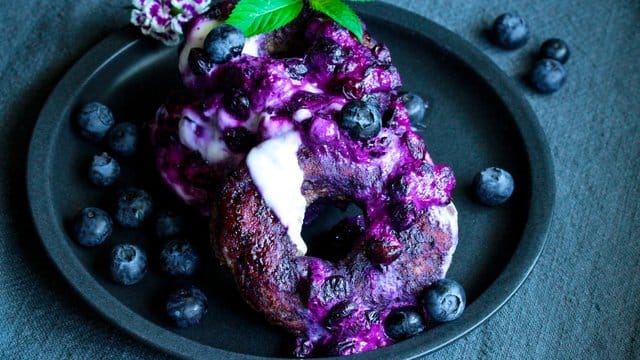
x: 260, y: 16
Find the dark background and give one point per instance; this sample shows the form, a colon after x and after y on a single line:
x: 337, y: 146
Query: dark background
x: 581, y: 300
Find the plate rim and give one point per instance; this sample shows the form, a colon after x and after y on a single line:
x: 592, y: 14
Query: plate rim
x: 511, y: 278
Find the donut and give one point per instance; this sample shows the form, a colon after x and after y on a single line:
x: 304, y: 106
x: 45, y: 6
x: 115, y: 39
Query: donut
x: 260, y: 142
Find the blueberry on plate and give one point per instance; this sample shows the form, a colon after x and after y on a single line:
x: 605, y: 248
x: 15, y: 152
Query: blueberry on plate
x: 416, y: 106
x: 169, y: 224
x: 547, y: 76
x: 104, y: 170
x: 133, y: 207
x: 403, y: 323
x: 128, y: 264
x: 224, y: 43
x: 179, y: 258
x: 92, y: 226
x: 493, y: 186
x: 123, y: 138
x: 444, y: 300
x: 95, y: 120
x: 510, y: 30
x: 187, y: 306
x: 555, y: 49
x: 361, y: 120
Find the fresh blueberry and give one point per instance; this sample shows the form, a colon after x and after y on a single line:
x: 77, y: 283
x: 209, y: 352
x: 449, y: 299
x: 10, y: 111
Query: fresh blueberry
x: 104, y: 170
x: 416, y: 106
x: 555, y: 49
x: 169, y: 225
x: 187, y: 306
x: 123, y: 138
x: 224, y: 43
x: 403, y: 323
x: 493, y: 186
x: 199, y: 61
x: 444, y: 300
x: 128, y: 264
x: 133, y: 207
x: 92, y: 226
x: 361, y: 120
x: 95, y: 120
x: 548, y: 76
x: 239, y: 139
x: 179, y: 258
x: 510, y: 31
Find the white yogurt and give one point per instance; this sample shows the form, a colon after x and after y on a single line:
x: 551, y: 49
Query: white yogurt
x: 274, y: 168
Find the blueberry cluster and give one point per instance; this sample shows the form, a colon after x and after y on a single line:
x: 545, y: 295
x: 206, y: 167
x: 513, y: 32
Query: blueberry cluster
x: 132, y: 208
x: 443, y: 301
x: 511, y: 31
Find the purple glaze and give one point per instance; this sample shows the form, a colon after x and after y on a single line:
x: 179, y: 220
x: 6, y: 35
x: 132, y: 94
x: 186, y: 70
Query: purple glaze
x: 193, y: 160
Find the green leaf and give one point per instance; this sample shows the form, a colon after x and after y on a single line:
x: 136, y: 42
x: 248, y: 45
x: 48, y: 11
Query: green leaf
x: 260, y: 16
x: 362, y: 0
x: 340, y: 13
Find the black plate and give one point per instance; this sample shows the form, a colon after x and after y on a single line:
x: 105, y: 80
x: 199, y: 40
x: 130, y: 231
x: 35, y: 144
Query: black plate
x: 478, y: 118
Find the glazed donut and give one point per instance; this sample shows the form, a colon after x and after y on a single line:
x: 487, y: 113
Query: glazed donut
x: 401, y: 244
x: 271, y: 119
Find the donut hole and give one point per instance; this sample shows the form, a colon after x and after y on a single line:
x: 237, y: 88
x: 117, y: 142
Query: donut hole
x: 330, y: 230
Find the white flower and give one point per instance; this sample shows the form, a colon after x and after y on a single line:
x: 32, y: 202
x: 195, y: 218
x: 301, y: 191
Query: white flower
x: 163, y: 19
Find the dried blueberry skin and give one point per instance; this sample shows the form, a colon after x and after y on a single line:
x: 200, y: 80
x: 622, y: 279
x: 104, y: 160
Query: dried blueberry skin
x: 199, y: 61
x: 444, y: 300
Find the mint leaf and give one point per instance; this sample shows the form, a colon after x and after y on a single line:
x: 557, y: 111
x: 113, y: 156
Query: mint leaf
x: 340, y: 13
x: 260, y: 16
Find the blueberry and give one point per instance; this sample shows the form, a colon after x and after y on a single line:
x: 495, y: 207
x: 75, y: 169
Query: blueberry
x: 104, y: 170
x: 510, y: 31
x: 187, y: 306
x: 199, y: 61
x: 339, y: 312
x: 92, y: 226
x: 239, y: 139
x: 547, y: 76
x: 403, y: 323
x: 444, y: 300
x: 128, y: 264
x: 325, y: 55
x: 179, y: 258
x: 296, y: 69
x: 237, y: 103
x: 493, y: 186
x: 169, y: 225
x: 384, y: 250
x: 555, y: 49
x: 362, y: 120
x: 133, y: 207
x: 123, y: 138
x: 224, y: 43
x: 95, y: 120
x: 416, y: 106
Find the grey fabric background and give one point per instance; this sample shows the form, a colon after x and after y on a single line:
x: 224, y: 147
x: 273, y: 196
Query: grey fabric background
x: 581, y: 301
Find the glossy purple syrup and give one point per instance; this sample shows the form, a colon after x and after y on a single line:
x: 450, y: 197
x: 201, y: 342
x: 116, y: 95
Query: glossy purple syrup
x: 303, y: 88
